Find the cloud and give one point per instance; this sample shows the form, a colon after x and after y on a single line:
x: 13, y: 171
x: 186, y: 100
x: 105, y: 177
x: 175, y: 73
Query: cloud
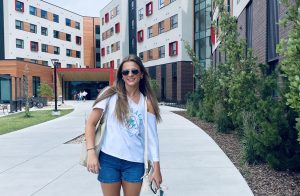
x: 82, y: 7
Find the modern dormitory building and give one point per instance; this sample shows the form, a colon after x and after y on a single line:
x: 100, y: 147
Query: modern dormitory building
x: 34, y: 32
x: 114, y: 33
x: 258, y: 25
x: 154, y: 30
x: 162, y: 25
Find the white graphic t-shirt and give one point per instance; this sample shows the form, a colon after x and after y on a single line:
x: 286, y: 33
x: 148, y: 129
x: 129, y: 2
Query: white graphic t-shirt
x: 126, y: 140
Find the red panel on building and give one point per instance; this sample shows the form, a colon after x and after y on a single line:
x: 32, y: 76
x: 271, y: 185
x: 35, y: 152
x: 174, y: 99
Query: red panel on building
x: 212, y: 35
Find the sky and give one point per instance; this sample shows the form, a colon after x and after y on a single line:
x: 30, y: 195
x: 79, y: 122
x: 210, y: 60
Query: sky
x: 82, y: 7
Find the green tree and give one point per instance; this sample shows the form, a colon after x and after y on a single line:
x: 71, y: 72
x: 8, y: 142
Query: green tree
x: 25, y: 87
x: 290, y: 50
x: 45, y: 90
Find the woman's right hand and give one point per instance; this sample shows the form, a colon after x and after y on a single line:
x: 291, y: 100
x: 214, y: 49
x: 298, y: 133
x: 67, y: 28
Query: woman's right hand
x: 92, y: 162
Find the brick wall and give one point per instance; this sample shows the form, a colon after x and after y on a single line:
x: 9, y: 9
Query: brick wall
x: 259, y: 42
x: 17, y: 70
x: 169, y: 82
x: 158, y: 79
x: 185, y: 80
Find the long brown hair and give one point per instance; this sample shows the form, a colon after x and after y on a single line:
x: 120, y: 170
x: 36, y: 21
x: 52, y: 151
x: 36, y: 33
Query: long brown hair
x: 118, y: 88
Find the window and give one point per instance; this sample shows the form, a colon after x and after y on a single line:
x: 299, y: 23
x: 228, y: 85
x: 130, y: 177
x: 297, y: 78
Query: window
x: 112, y: 64
x: 68, y: 22
x: 150, y: 33
x: 150, y: 56
x: 174, y: 21
x: 118, y: 62
x: 68, y: 52
x: 77, y: 25
x: 56, y: 50
x: 55, y: 18
x: 19, y: 43
x: 34, y: 61
x: 69, y: 65
x: 107, y: 49
x: 97, y: 57
x: 118, y: 46
x: 161, y: 28
x: 161, y: 52
x: 34, y: 46
x: 161, y: 3
x: 19, y: 25
x: 78, y: 40
x: 55, y: 34
x: 272, y: 30
x: 106, y: 17
x: 173, y: 48
x: 111, y: 31
x: 44, y: 14
x: 19, y: 6
x: 33, y: 28
x: 102, y: 21
x: 171, y: 1
x: 32, y: 10
x: 102, y: 51
x: 97, y: 29
x: 141, y: 55
x: 45, y: 63
x: 112, y: 48
x: 149, y: 8
x: 117, y: 27
x: 140, y: 36
x: 97, y: 43
x: 36, y: 82
x: 140, y: 14
x: 44, y: 48
x: 78, y: 54
x: 249, y: 24
x: 68, y: 37
x: 132, y: 5
x: 44, y: 31
x: 132, y: 24
x: 117, y: 10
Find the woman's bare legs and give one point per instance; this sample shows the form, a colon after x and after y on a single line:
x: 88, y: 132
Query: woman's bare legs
x: 131, y: 189
x: 111, y: 189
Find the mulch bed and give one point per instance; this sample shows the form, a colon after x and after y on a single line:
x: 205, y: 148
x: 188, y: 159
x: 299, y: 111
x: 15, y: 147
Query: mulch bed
x: 262, y: 179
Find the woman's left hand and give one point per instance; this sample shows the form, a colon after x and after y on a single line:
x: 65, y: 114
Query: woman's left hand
x: 156, y: 176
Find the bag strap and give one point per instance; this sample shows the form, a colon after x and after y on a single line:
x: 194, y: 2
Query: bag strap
x: 106, y: 107
x: 146, y: 138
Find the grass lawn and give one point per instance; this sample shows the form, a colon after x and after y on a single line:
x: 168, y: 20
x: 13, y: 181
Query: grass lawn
x: 17, y: 121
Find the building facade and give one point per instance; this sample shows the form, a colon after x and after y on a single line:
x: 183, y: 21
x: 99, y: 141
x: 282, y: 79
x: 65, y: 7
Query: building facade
x: 114, y: 33
x: 258, y: 24
x: 161, y: 30
x: 34, y: 34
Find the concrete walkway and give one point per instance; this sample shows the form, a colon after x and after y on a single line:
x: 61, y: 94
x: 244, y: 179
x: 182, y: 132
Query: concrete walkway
x: 35, y: 160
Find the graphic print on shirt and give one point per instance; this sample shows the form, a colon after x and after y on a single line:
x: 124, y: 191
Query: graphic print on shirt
x: 134, y: 123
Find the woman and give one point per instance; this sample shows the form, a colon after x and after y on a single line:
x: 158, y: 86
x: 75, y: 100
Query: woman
x: 120, y: 163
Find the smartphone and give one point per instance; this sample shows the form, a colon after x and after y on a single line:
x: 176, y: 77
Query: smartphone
x: 154, y: 187
x: 161, y: 192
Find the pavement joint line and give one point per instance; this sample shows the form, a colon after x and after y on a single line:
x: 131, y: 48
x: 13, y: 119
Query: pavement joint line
x: 54, y: 179
x: 29, y: 159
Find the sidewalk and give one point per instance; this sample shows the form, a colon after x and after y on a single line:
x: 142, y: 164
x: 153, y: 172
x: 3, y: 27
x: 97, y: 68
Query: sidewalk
x: 35, y: 160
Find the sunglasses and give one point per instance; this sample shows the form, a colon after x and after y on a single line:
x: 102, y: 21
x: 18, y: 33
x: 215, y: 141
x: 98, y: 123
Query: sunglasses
x: 133, y: 71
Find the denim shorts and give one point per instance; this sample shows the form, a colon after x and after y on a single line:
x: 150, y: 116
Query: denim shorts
x: 113, y: 169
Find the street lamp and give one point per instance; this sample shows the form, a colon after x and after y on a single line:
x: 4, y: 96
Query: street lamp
x: 55, y: 63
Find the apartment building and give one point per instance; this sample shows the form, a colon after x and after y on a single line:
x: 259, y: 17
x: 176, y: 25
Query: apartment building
x: 258, y: 24
x: 162, y: 25
x: 35, y: 32
x: 114, y: 33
